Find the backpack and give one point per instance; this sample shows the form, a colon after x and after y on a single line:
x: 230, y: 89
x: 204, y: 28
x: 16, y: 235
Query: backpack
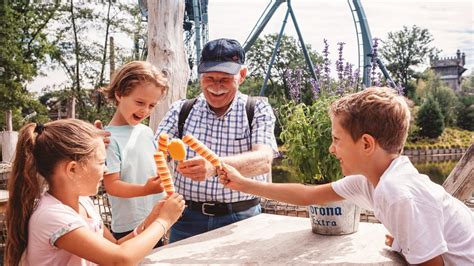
x: 188, y: 105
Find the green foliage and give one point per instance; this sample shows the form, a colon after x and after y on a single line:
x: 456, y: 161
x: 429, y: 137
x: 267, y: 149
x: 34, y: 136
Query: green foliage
x: 430, y: 84
x: 84, y: 59
x: 307, y: 137
x: 466, y: 112
x: 23, y: 47
x: 437, y: 171
x: 305, y: 120
x: 91, y: 113
x: 451, y: 138
x: 465, y: 109
x: 193, y: 89
x: 252, y: 86
x: 429, y: 119
x: 30, y: 111
x: 467, y: 86
x: 289, y: 57
x: 406, y: 49
x: 281, y: 173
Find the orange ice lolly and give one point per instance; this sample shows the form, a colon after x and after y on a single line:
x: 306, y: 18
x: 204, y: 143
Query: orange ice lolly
x: 177, y: 149
x: 202, y: 150
x: 164, y: 172
x: 163, y: 143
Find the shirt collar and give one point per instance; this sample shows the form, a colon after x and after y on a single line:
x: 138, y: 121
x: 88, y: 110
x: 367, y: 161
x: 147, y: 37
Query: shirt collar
x: 398, y: 166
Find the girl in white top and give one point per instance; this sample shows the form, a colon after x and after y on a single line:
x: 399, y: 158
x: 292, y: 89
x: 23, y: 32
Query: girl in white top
x: 61, y: 226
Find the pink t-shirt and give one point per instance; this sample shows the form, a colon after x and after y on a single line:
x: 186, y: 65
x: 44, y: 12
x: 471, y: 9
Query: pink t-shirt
x: 50, y: 221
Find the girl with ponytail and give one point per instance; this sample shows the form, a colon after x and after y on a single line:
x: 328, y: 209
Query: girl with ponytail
x: 50, y: 218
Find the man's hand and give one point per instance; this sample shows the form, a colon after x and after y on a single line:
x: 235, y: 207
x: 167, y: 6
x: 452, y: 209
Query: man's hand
x: 105, y: 134
x: 197, y: 168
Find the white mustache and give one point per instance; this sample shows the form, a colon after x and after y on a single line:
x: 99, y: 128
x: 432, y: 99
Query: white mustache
x: 216, y: 92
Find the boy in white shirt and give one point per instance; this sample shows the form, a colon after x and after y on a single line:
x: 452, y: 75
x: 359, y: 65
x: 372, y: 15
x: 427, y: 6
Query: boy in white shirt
x: 369, y: 129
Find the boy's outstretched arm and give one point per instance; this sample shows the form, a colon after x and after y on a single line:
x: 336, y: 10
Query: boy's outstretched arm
x: 297, y: 194
x: 118, y: 188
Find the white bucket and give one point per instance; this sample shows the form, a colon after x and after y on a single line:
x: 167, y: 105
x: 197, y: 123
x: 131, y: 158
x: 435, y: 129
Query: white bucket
x: 337, y: 218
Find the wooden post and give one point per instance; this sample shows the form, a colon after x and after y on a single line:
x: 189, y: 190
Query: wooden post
x: 460, y: 182
x: 59, y: 110
x: 71, y: 107
x: 8, y: 138
x: 9, y: 120
x: 166, y: 51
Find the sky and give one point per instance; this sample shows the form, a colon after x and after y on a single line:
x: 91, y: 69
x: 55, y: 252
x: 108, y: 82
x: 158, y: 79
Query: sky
x: 451, y: 22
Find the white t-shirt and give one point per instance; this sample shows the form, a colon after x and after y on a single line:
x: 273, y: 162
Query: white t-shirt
x: 50, y: 221
x: 424, y: 219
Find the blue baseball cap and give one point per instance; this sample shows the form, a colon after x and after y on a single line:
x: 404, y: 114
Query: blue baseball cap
x: 222, y: 55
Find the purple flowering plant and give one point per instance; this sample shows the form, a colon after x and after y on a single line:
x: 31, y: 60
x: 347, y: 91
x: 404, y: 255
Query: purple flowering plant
x: 305, y: 122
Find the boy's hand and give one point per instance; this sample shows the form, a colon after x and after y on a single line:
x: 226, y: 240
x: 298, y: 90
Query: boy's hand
x: 388, y: 240
x: 231, y: 178
x: 105, y: 134
x: 153, y: 185
x: 197, y: 168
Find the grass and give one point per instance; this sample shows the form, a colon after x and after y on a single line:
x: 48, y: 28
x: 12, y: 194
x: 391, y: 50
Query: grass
x: 451, y: 138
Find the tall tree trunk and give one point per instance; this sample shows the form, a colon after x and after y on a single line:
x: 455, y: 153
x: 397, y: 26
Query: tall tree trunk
x: 76, y: 80
x: 112, y: 57
x: 166, y: 51
x: 100, y: 83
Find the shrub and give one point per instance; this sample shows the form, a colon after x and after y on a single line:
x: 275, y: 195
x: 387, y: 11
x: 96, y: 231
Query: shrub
x: 466, y: 113
x: 430, y: 84
x: 429, y: 119
x: 307, y: 137
x: 451, y: 137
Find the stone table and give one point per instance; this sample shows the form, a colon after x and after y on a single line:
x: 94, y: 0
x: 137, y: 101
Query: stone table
x: 274, y: 239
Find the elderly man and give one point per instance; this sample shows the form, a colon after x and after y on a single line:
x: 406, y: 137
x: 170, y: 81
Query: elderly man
x: 238, y: 128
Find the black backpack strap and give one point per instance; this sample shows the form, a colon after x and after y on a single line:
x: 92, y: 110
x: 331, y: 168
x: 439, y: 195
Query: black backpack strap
x: 250, y: 108
x: 183, y: 115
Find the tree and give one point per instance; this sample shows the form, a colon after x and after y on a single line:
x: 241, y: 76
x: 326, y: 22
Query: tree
x: 23, y: 46
x: 405, y: 49
x: 467, y: 86
x: 431, y: 85
x: 430, y: 119
x: 84, y: 58
x: 289, y: 57
x: 466, y: 113
x: 465, y: 108
x: 166, y: 51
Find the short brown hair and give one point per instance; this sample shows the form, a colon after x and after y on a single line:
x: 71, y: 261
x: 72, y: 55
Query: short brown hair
x: 379, y: 112
x: 130, y: 75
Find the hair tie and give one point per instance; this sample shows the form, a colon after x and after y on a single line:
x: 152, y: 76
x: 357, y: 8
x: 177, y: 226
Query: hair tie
x: 39, y: 128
